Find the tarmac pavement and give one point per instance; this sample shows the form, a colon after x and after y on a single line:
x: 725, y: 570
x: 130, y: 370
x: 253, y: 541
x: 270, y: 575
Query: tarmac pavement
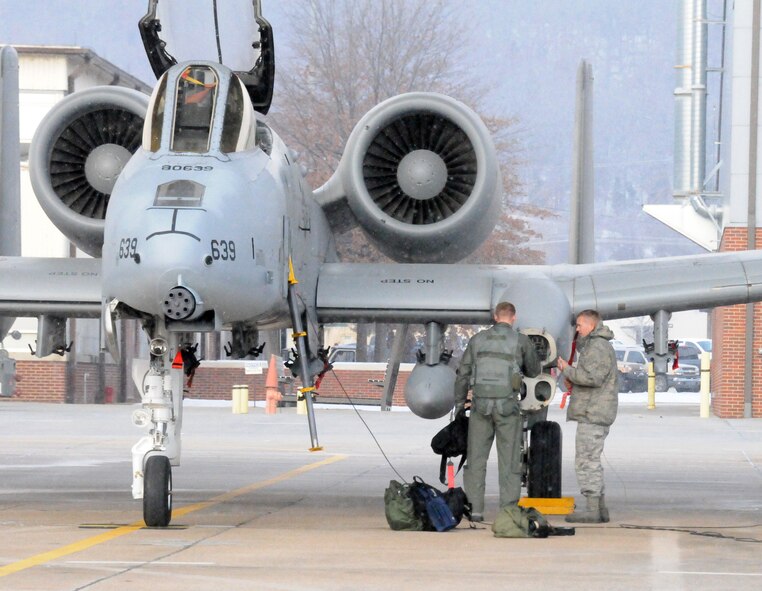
x: 255, y: 510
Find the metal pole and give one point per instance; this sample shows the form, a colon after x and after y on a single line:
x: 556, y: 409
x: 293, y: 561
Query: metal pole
x: 681, y: 184
x: 698, y: 92
x: 433, y: 348
x: 751, y: 228
x: 705, y: 398
x: 582, y: 211
x: 722, y: 83
x: 10, y: 201
x: 10, y: 184
x: 393, y: 367
x: 661, y: 337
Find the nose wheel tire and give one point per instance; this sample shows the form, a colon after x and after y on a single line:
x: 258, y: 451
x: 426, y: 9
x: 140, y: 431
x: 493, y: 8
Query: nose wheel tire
x: 544, y: 478
x: 157, y: 492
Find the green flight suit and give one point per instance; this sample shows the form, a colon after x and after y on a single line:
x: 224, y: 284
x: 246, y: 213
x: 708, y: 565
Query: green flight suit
x: 491, y: 367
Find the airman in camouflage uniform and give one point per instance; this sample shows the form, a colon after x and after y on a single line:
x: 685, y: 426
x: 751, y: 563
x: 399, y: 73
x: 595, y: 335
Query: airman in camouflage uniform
x: 492, y: 368
x: 593, y: 405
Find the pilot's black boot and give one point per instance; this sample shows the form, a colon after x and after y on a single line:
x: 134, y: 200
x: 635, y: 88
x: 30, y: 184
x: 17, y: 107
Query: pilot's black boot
x: 591, y: 515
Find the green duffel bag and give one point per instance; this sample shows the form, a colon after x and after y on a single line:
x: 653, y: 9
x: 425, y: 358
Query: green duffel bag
x: 519, y: 522
x: 399, y: 509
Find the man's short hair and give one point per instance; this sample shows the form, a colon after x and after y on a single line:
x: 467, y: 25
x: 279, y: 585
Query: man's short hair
x: 505, y: 309
x: 590, y: 315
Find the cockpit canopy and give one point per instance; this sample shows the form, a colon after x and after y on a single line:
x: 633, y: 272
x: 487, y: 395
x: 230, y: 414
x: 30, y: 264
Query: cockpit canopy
x: 200, y: 108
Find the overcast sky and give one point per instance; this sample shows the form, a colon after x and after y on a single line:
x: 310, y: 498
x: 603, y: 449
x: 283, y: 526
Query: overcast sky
x: 528, y: 50
x: 108, y: 27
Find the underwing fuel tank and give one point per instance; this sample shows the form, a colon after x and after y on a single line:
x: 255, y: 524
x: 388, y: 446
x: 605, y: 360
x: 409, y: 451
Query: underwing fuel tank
x: 430, y: 390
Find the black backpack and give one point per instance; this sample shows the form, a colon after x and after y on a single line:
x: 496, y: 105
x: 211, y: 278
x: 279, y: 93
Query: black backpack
x: 458, y: 503
x: 431, y: 507
x: 452, y: 441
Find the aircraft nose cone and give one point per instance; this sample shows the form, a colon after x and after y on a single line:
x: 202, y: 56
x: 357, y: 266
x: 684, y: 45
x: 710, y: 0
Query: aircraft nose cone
x: 179, y: 304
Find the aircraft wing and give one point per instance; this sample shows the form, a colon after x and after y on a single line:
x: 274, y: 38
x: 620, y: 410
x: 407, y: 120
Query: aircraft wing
x: 467, y: 293
x: 52, y: 286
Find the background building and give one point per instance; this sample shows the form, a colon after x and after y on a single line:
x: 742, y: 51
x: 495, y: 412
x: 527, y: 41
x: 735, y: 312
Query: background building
x: 737, y: 358
x: 46, y: 75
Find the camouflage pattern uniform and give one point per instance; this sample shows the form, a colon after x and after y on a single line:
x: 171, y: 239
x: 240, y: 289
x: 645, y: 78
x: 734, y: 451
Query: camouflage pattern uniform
x: 491, y: 366
x: 593, y: 405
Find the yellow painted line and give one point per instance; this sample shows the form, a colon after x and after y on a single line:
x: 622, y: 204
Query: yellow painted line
x: 75, y: 547
x: 256, y: 486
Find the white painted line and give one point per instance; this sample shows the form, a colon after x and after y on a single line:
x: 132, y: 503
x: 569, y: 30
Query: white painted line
x: 708, y: 573
x: 753, y: 465
x: 138, y: 562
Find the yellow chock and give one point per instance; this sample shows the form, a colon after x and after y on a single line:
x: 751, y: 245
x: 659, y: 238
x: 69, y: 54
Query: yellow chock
x: 560, y: 506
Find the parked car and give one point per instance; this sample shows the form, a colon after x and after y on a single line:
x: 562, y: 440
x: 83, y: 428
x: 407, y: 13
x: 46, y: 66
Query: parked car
x: 343, y: 353
x: 686, y: 378
x: 695, y: 347
x: 689, y: 353
x: 632, y: 366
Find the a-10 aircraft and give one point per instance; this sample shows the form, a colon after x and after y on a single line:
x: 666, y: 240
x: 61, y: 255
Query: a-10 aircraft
x: 199, y: 219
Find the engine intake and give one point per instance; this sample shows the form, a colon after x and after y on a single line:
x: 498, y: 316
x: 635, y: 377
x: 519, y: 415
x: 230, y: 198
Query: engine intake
x: 421, y: 176
x: 77, y: 153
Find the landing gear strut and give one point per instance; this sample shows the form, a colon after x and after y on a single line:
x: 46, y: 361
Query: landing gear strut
x: 307, y: 391
x: 160, y: 381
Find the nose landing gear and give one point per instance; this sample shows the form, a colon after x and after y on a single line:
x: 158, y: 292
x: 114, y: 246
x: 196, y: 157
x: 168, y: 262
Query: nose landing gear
x: 161, y: 386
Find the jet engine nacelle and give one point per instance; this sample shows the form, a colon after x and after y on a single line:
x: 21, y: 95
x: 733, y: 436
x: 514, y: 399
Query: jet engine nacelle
x: 77, y: 153
x: 430, y: 390
x: 421, y: 176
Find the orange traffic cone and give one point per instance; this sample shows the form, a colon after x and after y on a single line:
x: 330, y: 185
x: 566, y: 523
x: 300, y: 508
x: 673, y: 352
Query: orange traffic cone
x: 272, y: 394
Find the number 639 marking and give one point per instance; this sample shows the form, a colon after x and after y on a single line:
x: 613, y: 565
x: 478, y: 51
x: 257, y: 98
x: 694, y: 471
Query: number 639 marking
x: 127, y: 248
x: 223, y: 250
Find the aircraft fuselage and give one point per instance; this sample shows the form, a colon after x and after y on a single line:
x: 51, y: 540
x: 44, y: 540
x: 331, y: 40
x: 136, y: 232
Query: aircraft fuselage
x: 203, y: 239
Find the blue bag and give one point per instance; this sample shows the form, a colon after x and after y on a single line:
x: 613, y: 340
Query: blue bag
x: 431, y: 507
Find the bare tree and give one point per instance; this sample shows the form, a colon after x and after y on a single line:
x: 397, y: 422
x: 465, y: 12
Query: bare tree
x: 349, y: 55
x: 352, y: 54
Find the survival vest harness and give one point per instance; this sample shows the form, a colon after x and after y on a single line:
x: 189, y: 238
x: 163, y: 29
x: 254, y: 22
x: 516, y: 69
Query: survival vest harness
x: 497, y: 373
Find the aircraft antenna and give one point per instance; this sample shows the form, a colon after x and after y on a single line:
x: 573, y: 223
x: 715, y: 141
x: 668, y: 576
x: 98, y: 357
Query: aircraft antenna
x: 217, y: 31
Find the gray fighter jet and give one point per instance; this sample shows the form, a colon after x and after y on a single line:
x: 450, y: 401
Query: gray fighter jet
x: 198, y: 219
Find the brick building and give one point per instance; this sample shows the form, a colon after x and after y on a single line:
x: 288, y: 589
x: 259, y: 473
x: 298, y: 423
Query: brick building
x: 736, y: 391
x: 46, y: 381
